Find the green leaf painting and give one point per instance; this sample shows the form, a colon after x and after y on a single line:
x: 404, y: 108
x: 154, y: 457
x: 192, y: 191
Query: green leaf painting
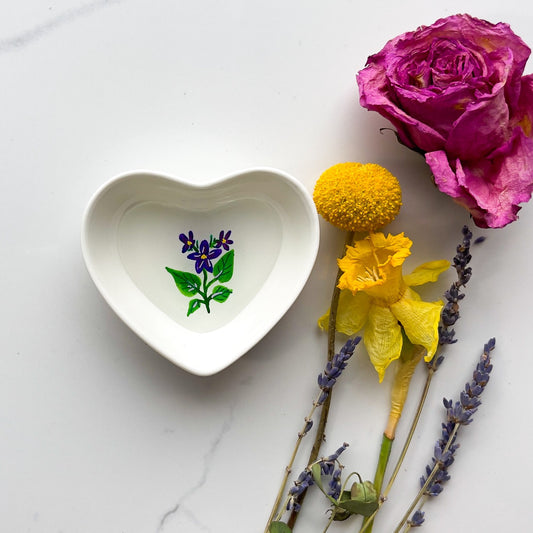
x: 194, y: 305
x: 220, y: 293
x: 187, y: 283
x: 223, y: 269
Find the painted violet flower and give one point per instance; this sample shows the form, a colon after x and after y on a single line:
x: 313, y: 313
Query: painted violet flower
x: 188, y: 242
x: 203, y: 257
x: 223, y: 240
x: 455, y: 92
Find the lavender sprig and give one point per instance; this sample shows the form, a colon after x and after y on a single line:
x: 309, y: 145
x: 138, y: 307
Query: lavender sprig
x: 449, y: 316
x: 450, y: 312
x: 329, y: 466
x: 334, y: 369
x: 326, y: 382
x: 458, y: 414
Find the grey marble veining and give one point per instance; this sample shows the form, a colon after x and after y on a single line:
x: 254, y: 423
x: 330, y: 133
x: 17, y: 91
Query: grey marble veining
x: 204, y: 469
x: 68, y: 16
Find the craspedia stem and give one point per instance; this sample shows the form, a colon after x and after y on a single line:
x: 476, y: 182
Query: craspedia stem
x: 321, y: 427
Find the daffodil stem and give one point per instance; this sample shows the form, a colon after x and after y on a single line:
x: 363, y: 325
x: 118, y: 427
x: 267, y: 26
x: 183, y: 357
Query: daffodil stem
x: 412, y: 430
x: 321, y: 427
x: 367, y: 524
x: 409, y: 359
x: 384, y: 455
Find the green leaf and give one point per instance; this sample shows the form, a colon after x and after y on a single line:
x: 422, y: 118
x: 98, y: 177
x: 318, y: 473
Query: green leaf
x: 187, y: 283
x: 220, y: 294
x: 316, y: 471
x: 358, y: 507
x: 363, y: 499
x: 223, y: 269
x: 279, y: 527
x: 194, y: 305
x: 339, y: 514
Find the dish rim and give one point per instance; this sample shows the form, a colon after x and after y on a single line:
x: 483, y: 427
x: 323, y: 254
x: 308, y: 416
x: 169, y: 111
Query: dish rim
x: 198, y: 366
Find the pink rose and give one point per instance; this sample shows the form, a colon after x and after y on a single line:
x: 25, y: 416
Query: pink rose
x: 455, y: 92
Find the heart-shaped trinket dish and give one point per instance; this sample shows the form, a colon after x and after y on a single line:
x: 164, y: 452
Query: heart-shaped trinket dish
x: 201, y: 273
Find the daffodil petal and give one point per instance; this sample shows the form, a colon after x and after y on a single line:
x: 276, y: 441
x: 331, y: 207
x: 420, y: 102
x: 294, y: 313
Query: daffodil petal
x: 352, y: 313
x: 420, y: 321
x: 397, y: 247
x: 411, y: 294
x: 427, y: 272
x: 383, y: 338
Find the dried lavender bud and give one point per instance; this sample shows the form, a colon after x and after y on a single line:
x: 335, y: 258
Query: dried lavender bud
x: 468, y: 402
x: 327, y: 464
x: 458, y: 415
x: 335, y: 484
x: 442, y: 475
x: 307, y: 427
x: 304, y: 481
x: 322, y: 398
x: 434, y: 490
x: 441, y: 457
x: 447, y: 432
x: 417, y: 519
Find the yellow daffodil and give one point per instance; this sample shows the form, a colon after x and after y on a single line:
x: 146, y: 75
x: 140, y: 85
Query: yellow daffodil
x: 377, y: 296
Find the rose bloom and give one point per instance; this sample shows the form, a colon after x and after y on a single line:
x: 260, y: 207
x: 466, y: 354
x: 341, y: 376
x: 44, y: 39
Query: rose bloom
x: 455, y: 92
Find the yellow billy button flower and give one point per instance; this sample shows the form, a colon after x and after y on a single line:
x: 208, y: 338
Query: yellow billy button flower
x: 377, y: 296
x: 357, y: 197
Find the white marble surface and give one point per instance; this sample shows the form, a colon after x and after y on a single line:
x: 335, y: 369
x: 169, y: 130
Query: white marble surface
x: 98, y: 433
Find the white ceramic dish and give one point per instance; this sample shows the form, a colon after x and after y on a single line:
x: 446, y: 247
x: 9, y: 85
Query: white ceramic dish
x: 131, y: 234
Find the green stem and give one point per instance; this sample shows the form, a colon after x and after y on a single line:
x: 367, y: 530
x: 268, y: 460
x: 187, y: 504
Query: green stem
x: 282, y: 508
x: 330, y: 521
x: 368, y: 522
x: 206, y: 299
x: 384, y: 455
x: 213, y: 281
